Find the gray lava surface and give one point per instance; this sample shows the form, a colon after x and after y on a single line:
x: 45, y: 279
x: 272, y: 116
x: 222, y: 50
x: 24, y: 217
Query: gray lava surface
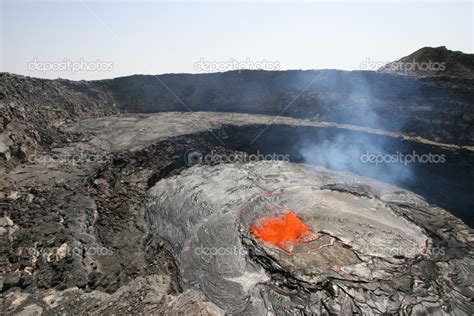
x: 377, y: 249
x: 113, y: 218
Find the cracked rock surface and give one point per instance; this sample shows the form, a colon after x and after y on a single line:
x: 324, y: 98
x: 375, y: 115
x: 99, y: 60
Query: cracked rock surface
x: 377, y: 251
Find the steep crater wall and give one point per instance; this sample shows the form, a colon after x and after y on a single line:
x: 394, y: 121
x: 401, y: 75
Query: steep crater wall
x: 439, y: 108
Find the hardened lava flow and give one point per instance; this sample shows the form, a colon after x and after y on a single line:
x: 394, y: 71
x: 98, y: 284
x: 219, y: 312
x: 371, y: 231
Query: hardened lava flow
x: 145, y: 230
x: 364, y: 247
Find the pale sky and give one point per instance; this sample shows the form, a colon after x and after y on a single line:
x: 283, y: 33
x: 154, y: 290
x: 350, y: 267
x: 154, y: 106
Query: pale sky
x: 155, y: 37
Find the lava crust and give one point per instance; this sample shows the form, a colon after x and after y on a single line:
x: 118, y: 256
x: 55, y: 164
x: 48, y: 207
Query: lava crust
x: 376, y: 242
x: 145, y: 229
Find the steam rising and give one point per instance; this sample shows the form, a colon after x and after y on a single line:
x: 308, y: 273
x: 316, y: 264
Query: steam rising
x: 348, y: 151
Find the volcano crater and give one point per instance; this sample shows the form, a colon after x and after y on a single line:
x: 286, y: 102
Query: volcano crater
x: 361, y: 242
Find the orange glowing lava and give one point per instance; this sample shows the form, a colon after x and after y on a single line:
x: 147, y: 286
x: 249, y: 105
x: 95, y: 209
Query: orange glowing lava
x: 280, y: 231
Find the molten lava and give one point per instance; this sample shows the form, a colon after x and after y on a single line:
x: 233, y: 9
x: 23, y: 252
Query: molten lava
x: 281, y: 231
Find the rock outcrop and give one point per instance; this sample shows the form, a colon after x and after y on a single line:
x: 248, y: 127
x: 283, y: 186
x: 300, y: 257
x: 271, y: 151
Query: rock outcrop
x: 433, y: 61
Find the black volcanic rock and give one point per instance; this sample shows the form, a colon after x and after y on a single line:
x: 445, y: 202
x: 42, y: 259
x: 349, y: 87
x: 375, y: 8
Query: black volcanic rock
x: 433, y: 61
x: 438, y: 108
